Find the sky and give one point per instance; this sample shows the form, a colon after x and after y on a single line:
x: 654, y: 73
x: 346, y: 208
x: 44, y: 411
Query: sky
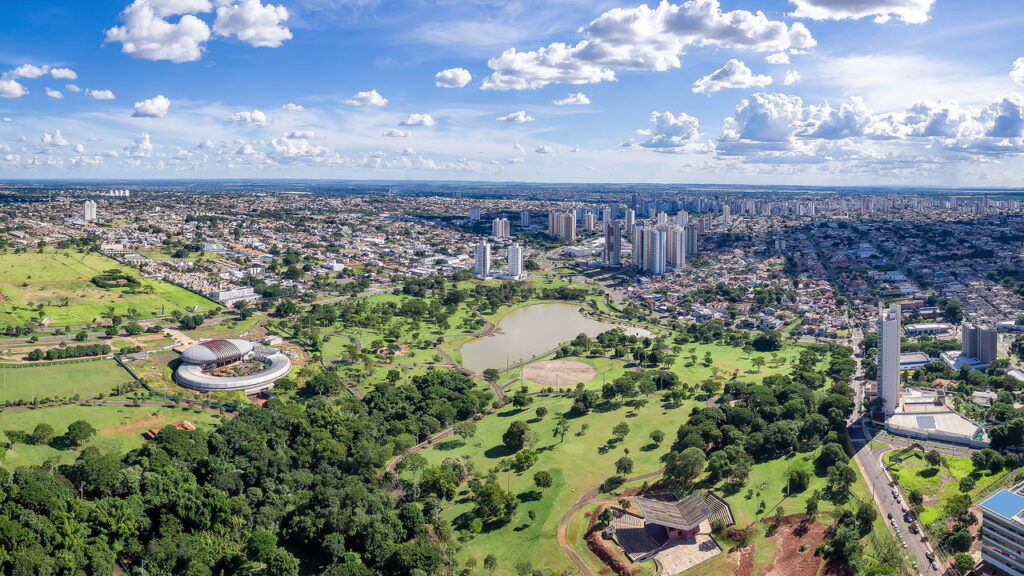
x: 811, y: 92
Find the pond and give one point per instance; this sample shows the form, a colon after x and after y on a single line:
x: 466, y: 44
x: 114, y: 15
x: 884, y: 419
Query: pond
x: 532, y: 330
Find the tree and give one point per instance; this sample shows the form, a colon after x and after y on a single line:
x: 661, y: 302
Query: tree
x: 657, y: 436
x: 964, y: 562
x: 491, y: 375
x: 620, y: 431
x: 42, y: 433
x: 866, y: 515
x: 492, y: 502
x: 831, y: 454
x: 542, y: 479
x: 541, y: 412
x: 79, y: 432
x: 491, y: 563
x: 517, y: 436
x: 758, y: 362
x: 522, y: 399
x: 767, y: 341
x: 915, y: 497
x: 811, y: 505
x: 465, y: 430
x: 624, y: 465
x: 933, y: 458
x: 561, y: 427
x: 967, y: 484
x: 82, y: 336
x: 685, y: 466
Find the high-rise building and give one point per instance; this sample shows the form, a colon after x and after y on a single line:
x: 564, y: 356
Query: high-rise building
x: 515, y: 261
x: 562, y: 225
x: 606, y: 214
x: 649, y: 249
x: 89, y: 211
x: 691, y: 239
x: 524, y: 218
x: 630, y: 221
x: 889, y: 357
x: 589, y: 221
x: 676, y: 247
x: 726, y: 215
x: 662, y: 218
x: 1002, y: 531
x: 613, y: 243
x: 683, y: 218
x: 482, y: 267
x: 474, y: 214
x: 980, y: 343
x: 500, y: 228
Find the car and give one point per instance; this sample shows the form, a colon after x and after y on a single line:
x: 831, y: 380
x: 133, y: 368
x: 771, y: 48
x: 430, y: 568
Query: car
x: 929, y: 556
x: 890, y: 515
x: 935, y: 565
x: 893, y: 522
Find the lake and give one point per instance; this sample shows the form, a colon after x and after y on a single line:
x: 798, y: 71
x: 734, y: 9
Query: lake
x: 532, y: 330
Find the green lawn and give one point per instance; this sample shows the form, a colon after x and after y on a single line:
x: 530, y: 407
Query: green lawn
x: 577, y: 465
x: 87, y: 379
x: 119, y: 428
x: 937, y: 484
x: 729, y: 359
x: 30, y: 279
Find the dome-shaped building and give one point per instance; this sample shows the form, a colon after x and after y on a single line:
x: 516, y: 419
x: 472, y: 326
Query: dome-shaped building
x: 197, y: 360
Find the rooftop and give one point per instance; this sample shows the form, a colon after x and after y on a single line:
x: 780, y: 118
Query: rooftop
x: 1006, y: 503
x: 667, y: 511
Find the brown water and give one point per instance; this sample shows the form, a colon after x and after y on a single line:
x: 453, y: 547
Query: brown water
x: 532, y: 330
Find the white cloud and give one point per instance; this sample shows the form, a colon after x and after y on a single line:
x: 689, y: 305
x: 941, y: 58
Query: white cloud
x: 396, y: 133
x: 72, y: 88
x: 11, y: 89
x: 544, y: 149
x: 368, y: 98
x: 777, y: 58
x: 28, y: 71
x: 55, y: 94
x: 100, y: 94
x: 674, y: 132
x: 149, y: 35
x: 254, y: 117
x: 252, y: 22
x: 1017, y: 71
x: 63, y: 74
x: 418, y: 120
x: 55, y: 139
x: 518, y: 117
x: 577, y: 99
x: 155, y: 107
x: 8, y: 119
x: 642, y: 38
x: 735, y: 74
x: 79, y: 148
x: 792, y: 77
x: 142, y: 148
x: 297, y: 145
x: 452, y: 78
x: 909, y: 11
x: 292, y: 107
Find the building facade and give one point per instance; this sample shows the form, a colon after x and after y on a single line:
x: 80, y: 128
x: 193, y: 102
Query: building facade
x: 1002, y: 531
x: 889, y: 357
x: 482, y: 267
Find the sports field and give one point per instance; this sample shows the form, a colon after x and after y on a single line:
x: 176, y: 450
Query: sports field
x: 59, y: 281
x: 53, y: 381
x: 119, y: 428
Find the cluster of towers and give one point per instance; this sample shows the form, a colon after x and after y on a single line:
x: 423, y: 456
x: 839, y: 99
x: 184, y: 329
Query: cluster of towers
x: 482, y: 268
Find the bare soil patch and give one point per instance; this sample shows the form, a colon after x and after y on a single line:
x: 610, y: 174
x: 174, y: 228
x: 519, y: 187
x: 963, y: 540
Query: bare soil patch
x: 559, y: 373
x: 796, y: 544
x: 746, y: 565
x: 141, y: 425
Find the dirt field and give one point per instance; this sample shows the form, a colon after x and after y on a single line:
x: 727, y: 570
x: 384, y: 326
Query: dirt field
x: 559, y: 373
x: 791, y: 561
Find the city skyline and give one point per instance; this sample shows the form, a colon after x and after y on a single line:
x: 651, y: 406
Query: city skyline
x: 893, y: 92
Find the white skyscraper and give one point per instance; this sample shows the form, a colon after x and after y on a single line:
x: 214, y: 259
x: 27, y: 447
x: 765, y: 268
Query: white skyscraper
x: 683, y: 218
x: 649, y: 249
x: 589, y: 221
x: 889, y: 357
x: 676, y: 247
x: 726, y: 215
x: 89, y: 211
x: 630, y: 221
x: 474, y: 214
x: 500, y: 228
x: 515, y: 261
x: 482, y: 268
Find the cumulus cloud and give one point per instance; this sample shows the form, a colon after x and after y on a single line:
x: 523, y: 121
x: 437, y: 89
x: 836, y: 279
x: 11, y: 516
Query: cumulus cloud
x: 155, y: 107
x: 452, y: 78
x: 72, y: 88
x: 63, y: 74
x: 252, y: 22
x: 735, y: 74
x: 147, y: 33
x: 1017, y: 71
x: 292, y: 107
x: 792, y: 77
x: 55, y: 94
x: 909, y: 11
x: 577, y: 99
x: 28, y: 71
x: 777, y: 58
x: 297, y: 145
x: 254, y: 117
x: 642, y: 38
x: 673, y: 133
x: 418, y: 120
x: 544, y: 149
x: 518, y: 117
x: 55, y: 139
x: 11, y: 88
x: 142, y: 148
x: 100, y: 94
x: 368, y: 98
x: 396, y: 133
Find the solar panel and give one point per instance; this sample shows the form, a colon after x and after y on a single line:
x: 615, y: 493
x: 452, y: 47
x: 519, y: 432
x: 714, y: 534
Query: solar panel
x: 926, y: 422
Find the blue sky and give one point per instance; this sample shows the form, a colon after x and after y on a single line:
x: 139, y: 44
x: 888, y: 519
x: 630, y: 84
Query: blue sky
x: 916, y: 92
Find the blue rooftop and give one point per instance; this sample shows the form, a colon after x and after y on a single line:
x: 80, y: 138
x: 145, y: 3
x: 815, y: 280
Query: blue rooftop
x: 1005, y: 503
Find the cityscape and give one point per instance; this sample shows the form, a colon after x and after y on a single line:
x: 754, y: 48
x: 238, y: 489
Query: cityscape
x: 268, y: 321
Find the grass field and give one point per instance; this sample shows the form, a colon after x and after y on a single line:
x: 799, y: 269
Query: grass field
x: 87, y: 379
x: 937, y: 484
x: 119, y: 428
x: 577, y: 465
x: 29, y: 279
x: 729, y: 359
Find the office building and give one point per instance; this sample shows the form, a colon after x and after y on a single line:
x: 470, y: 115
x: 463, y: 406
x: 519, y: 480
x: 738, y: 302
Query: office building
x: 613, y: 243
x: 515, y: 261
x: 500, y: 228
x: 482, y: 267
x: 1002, y: 531
x: 889, y: 357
